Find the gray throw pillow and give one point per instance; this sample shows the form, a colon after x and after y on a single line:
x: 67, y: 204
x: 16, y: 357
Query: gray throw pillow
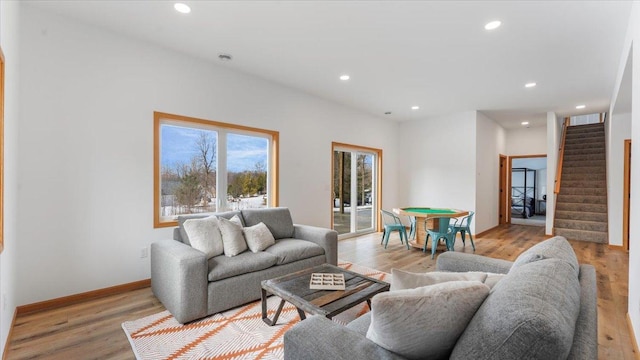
x: 258, y: 237
x: 424, y: 323
x: 204, y: 235
x: 530, y: 314
x: 401, y: 280
x: 232, y: 237
x: 556, y: 247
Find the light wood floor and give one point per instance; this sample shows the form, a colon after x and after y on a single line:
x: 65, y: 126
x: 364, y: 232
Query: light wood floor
x: 91, y: 330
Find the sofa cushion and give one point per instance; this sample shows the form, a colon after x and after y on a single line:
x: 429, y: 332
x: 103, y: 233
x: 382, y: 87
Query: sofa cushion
x: 361, y: 324
x: 424, y: 323
x: 204, y: 235
x: 222, y: 267
x: 232, y: 237
x: 556, y: 247
x: 530, y: 314
x: 258, y: 237
x: 278, y: 220
x: 290, y: 250
x: 401, y: 280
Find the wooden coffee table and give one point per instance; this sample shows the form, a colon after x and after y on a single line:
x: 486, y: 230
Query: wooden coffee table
x: 294, y: 288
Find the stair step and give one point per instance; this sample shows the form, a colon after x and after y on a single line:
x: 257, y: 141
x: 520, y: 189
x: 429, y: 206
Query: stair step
x: 570, y: 163
x: 585, y: 133
x: 583, y: 169
x: 580, y: 215
x: 581, y: 145
x: 599, y: 191
x: 582, y: 199
x: 584, y: 183
x: 583, y: 235
x: 597, y: 208
x: 584, y: 157
x: 584, y: 151
x: 586, y: 128
x: 584, y: 139
x: 584, y: 176
x: 581, y: 225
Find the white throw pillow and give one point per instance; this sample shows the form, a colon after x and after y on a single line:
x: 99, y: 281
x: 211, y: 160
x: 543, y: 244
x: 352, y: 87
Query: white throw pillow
x: 492, y: 279
x: 236, y: 220
x: 232, y: 237
x: 204, y: 235
x: 258, y: 237
x: 401, y: 280
x: 426, y: 322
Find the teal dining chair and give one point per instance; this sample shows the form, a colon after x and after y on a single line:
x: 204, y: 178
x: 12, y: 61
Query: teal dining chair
x: 462, y: 225
x: 392, y: 223
x: 444, y: 232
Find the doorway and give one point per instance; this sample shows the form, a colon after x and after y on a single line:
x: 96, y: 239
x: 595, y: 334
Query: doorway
x: 502, y: 191
x: 528, y: 190
x: 355, y: 189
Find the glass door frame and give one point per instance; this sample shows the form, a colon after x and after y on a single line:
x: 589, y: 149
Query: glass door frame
x: 376, y: 196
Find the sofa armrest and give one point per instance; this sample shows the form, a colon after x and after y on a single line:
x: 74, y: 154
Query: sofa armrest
x: 320, y: 338
x: 585, y: 339
x: 179, y: 279
x: 461, y: 262
x: 326, y: 238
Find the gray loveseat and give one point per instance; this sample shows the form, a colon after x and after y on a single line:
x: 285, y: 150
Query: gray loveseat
x: 544, y: 308
x: 191, y: 287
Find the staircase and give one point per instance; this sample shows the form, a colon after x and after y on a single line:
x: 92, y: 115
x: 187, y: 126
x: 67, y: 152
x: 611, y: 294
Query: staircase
x: 581, y: 206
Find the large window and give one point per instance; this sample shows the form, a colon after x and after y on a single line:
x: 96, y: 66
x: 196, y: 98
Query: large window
x: 203, y: 166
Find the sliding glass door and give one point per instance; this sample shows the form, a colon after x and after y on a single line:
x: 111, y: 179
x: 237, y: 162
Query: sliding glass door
x: 355, y: 190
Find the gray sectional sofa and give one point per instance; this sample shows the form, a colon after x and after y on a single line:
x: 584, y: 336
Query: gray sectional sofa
x: 544, y: 308
x: 191, y: 287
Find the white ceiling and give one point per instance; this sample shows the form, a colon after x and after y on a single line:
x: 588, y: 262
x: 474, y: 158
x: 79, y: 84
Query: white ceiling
x: 434, y: 54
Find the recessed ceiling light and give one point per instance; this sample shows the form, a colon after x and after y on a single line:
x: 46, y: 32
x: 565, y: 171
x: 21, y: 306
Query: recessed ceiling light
x: 225, y: 57
x: 525, y: 123
x: 415, y: 107
x: 493, y: 25
x: 182, y: 8
x: 530, y: 85
x: 344, y: 77
x: 581, y: 106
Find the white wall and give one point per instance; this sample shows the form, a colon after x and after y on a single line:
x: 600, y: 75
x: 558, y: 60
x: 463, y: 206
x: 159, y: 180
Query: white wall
x: 490, y: 143
x: 541, y: 180
x: 618, y: 129
x: 526, y: 141
x: 9, y: 19
x: 438, y: 162
x: 633, y: 36
x: 86, y: 148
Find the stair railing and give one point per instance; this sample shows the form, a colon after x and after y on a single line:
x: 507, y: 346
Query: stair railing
x: 565, y: 125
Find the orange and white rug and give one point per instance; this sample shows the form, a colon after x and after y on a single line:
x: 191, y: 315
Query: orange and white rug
x: 238, y: 333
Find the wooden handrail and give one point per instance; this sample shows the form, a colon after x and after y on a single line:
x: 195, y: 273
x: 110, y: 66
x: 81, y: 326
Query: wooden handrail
x: 565, y: 125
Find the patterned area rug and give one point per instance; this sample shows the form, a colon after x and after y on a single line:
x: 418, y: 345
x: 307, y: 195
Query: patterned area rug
x: 238, y: 333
